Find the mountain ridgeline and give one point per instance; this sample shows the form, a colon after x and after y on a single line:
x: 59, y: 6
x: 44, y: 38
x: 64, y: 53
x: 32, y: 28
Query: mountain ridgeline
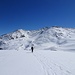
x: 52, y: 38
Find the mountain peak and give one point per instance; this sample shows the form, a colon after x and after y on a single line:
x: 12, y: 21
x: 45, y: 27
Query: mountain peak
x: 56, y: 27
x: 19, y: 30
x: 47, y: 35
x: 45, y: 28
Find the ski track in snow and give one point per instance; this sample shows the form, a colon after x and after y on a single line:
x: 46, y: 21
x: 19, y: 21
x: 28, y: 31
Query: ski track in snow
x: 50, y: 67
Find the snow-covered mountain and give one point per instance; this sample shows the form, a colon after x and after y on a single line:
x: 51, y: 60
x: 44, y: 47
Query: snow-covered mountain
x: 46, y: 38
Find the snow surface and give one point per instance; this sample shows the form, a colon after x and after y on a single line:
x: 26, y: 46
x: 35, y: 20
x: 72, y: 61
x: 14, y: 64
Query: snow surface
x: 54, y: 38
x: 54, y: 52
x: 40, y: 62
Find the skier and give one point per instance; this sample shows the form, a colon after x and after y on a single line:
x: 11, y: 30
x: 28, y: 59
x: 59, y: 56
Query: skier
x: 32, y: 49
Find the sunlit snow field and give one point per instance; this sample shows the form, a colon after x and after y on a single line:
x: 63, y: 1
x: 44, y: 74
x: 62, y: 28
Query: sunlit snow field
x: 54, y: 52
x: 40, y: 62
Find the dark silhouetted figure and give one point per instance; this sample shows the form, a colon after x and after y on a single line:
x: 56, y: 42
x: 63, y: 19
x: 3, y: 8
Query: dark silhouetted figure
x: 32, y: 49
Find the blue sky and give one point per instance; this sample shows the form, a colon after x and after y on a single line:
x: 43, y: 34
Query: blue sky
x: 36, y: 14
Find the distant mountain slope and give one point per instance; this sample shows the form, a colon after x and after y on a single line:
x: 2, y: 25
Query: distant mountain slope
x: 46, y: 38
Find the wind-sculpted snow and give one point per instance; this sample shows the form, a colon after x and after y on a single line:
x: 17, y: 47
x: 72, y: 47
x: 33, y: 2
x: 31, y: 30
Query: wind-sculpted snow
x: 45, y: 38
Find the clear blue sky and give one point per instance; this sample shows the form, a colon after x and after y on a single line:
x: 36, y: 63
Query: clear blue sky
x: 35, y: 14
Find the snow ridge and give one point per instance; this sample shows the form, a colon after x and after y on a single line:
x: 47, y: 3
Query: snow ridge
x: 48, y: 38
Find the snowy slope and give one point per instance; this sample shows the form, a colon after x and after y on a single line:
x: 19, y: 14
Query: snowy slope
x: 19, y: 63
x: 52, y: 38
x: 54, y: 52
x: 40, y: 62
x: 56, y: 62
